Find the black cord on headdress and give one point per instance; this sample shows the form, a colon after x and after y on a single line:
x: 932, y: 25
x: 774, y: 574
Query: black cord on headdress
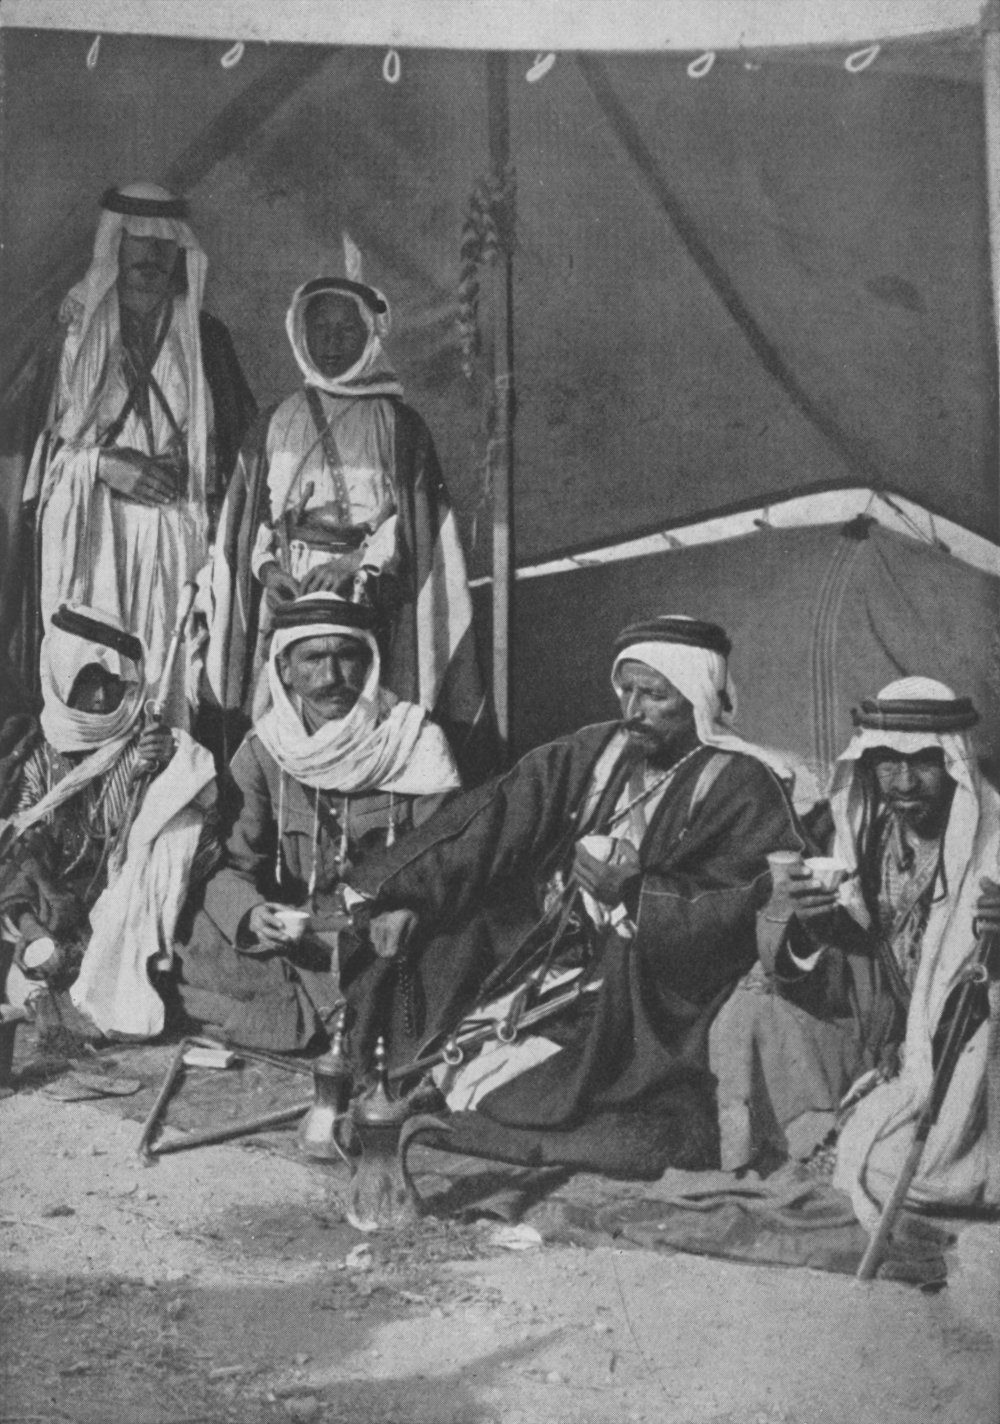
x: 916, y: 715
x: 70, y: 620
x: 306, y: 613
x: 368, y: 295
x: 691, y: 632
x: 114, y: 201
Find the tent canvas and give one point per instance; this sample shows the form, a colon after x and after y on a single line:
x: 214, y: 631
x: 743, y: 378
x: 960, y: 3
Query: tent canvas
x: 820, y: 617
x: 771, y: 279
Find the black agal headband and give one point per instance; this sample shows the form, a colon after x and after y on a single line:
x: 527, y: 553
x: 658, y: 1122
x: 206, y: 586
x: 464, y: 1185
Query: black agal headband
x: 669, y: 629
x: 332, y: 285
x: 116, y: 202
x: 81, y: 625
x: 306, y: 613
x: 916, y: 715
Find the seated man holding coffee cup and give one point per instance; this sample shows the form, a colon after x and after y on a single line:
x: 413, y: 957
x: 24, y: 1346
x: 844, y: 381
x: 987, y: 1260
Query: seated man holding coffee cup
x: 620, y: 865
x: 861, y: 956
x: 333, y: 766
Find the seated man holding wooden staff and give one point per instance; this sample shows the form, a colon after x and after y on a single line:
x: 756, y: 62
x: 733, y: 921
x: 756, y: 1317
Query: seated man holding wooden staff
x: 863, y: 976
x: 98, y: 856
x: 334, y: 764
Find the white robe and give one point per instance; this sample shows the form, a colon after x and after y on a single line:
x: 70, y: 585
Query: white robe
x: 127, y: 559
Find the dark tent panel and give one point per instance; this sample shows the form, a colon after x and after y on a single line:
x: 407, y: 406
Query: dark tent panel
x: 773, y: 278
x: 819, y: 618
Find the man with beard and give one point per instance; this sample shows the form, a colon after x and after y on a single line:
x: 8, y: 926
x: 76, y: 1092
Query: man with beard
x: 628, y: 859
x: 333, y: 766
x: 863, y: 979
x: 142, y: 404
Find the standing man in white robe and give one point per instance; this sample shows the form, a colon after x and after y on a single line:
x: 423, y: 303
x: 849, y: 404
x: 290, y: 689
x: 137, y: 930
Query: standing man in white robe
x: 125, y: 471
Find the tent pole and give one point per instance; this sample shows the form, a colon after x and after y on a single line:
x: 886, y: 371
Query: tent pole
x: 501, y: 455
x: 991, y: 105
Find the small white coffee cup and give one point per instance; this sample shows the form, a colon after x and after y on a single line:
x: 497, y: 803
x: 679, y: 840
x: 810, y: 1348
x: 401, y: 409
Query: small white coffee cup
x: 826, y: 871
x: 293, y: 922
x: 42, y: 956
x: 781, y: 863
x: 600, y: 847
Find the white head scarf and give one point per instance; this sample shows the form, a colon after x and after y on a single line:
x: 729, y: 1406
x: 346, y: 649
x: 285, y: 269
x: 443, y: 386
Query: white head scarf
x: 372, y: 373
x: 102, y: 737
x: 382, y: 744
x: 702, y: 676
x: 97, y: 335
x: 848, y: 789
x: 959, y: 757
x: 62, y: 657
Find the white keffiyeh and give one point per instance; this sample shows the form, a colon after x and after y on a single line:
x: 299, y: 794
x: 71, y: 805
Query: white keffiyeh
x: 382, y: 744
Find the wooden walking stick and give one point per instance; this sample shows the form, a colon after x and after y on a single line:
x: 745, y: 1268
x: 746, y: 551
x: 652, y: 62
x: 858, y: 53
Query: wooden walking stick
x: 977, y: 973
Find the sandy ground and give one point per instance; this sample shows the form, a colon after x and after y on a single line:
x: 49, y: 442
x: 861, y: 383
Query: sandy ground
x: 224, y: 1285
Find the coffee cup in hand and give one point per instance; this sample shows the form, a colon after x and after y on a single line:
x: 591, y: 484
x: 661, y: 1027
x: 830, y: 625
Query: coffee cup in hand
x: 781, y: 864
x: 826, y: 871
x: 293, y: 922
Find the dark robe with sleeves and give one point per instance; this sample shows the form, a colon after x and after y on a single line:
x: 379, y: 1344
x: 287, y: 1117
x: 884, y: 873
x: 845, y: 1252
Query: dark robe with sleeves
x: 278, y: 1001
x: 629, y: 1091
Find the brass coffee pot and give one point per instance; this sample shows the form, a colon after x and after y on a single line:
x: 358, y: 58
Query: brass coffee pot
x: 381, y: 1195
x: 332, y: 1082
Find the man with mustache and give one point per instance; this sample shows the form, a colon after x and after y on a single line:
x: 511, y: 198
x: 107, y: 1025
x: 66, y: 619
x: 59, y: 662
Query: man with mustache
x: 142, y: 417
x: 633, y: 851
x: 863, y: 979
x: 333, y: 766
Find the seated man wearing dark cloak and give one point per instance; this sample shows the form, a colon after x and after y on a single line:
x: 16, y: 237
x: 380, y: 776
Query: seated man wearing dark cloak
x: 334, y: 764
x: 618, y: 868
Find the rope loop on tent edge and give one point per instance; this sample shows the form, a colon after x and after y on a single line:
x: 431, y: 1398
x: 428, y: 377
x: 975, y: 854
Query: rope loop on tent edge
x: 392, y: 66
x: 233, y: 55
x: 701, y: 66
x: 541, y: 66
x: 859, y: 61
x: 94, y: 53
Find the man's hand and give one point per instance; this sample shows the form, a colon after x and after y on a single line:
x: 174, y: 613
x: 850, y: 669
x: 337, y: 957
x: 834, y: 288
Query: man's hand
x: 606, y: 880
x: 279, y: 585
x: 331, y: 576
x: 139, y: 477
x: 29, y: 928
x: 809, y: 902
x: 58, y: 911
x: 156, y: 746
x: 988, y: 905
x: 264, y: 926
x: 391, y: 932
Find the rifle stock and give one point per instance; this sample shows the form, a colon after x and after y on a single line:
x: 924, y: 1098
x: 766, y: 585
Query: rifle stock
x: 977, y: 973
